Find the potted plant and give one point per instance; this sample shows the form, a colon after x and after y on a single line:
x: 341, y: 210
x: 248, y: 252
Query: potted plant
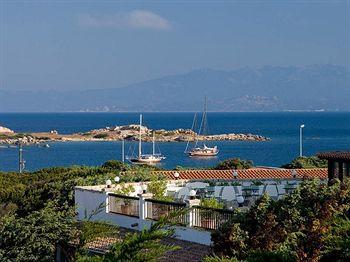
x: 125, y: 190
x: 158, y: 187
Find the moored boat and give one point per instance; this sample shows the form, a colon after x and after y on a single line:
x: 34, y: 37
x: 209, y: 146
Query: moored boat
x: 201, y: 151
x: 145, y: 158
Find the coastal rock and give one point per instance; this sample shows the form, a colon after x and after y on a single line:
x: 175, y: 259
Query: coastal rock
x: 127, y: 132
x: 5, y: 130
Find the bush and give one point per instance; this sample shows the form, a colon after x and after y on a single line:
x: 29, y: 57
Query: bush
x: 306, y: 162
x: 36, y: 236
x: 101, y: 136
x: 303, y: 225
x: 234, y: 163
x: 115, y: 165
x: 211, y: 203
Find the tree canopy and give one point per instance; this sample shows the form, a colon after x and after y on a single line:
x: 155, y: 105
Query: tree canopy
x: 234, y: 163
x: 306, y: 162
x: 311, y: 224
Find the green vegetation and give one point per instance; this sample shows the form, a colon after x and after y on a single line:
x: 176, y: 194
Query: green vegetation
x: 29, y: 192
x: 124, y: 189
x: 101, y: 136
x: 158, y: 188
x: 211, y: 203
x: 306, y: 162
x: 311, y: 224
x: 234, y: 163
x: 37, y: 213
x: 37, y: 217
x: 36, y: 236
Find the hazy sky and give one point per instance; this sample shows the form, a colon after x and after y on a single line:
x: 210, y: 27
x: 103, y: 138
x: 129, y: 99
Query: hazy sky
x: 106, y: 44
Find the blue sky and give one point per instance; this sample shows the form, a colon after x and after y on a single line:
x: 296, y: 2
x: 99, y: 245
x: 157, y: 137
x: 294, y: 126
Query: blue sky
x: 106, y: 44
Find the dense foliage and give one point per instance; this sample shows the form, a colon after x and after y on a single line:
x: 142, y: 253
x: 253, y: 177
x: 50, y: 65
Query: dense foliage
x: 234, y: 163
x: 37, y: 216
x: 24, y: 193
x: 306, y: 162
x: 311, y: 224
x: 139, y: 247
x: 36, y: 236
x: 158, y: 188
x: 211, y: 203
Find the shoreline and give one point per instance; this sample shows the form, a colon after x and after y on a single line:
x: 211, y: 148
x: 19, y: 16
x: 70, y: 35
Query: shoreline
x: 127, y: 133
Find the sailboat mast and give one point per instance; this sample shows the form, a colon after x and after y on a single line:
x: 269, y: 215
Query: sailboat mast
x: 205, y: 116
x: 140, y: 140
x: 193, y: 128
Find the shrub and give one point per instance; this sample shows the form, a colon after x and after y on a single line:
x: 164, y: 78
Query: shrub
x: 306, y: 162
x: 115, y: 165
x: 304, y: 225
x: 234, y: 163
x: 101, y: 136
x: 211, y: 203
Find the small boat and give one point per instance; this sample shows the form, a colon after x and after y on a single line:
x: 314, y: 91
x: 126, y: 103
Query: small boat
x: 201, y: 151
x: 204, y: 151
x: 145, y: 158
x: 44, y: 145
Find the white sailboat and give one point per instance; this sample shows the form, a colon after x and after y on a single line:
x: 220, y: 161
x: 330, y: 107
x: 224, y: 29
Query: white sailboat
x: 145, y: 158
x: 201, y: 151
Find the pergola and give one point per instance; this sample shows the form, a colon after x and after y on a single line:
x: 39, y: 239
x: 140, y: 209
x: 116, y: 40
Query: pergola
x: 338, y: 164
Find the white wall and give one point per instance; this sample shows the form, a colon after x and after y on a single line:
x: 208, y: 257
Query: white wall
x: 88, y: 200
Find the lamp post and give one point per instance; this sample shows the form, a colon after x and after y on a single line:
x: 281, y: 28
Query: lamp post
x: 108, y: 183
x: 301, y: 140
x: 192, y: 194
x: 176, y: 175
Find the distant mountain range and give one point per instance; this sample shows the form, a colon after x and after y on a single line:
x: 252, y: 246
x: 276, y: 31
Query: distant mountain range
x: 270, y: 88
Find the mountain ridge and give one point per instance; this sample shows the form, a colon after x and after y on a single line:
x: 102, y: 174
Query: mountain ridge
x: 269, y: 88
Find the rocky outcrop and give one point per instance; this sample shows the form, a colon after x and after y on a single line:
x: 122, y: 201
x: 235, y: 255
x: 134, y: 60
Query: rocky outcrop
x: 5, y: 130
x: 128, y: 132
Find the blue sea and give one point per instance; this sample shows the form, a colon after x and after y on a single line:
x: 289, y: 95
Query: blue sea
x: 323, y: 131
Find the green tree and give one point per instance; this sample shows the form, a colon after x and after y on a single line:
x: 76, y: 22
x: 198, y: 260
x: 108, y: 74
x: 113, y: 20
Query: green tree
x: 36, y: 236
x: 158, y: 188
x: 211, y: 203
x: 306, y: 162
x: 140, y: 247
x: 115, y: 165
x: 302, y: 226
x: 234, y: 163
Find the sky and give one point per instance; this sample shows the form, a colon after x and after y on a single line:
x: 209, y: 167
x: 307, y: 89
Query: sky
x: 67, y: 45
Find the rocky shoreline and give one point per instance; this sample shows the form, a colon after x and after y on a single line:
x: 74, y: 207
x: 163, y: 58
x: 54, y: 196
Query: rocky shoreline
x: 118, y: 133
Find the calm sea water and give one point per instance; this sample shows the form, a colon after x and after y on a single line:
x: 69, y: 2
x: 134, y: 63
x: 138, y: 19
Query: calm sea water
x: 323, y: 131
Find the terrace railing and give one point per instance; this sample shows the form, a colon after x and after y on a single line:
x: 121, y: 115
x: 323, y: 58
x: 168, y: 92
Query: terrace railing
x: 123, y: 205
x: 195, y: 216
x: 156, y: 208
x: 209, y: 218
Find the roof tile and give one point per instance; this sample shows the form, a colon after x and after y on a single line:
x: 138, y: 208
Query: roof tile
x: 253, y: 173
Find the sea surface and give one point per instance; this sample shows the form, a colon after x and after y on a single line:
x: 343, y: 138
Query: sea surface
x: 323, y: 131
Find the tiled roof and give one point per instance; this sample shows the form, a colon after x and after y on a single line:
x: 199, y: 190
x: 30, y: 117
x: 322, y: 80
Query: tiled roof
x: 335, y: 155
x: 253, y: 173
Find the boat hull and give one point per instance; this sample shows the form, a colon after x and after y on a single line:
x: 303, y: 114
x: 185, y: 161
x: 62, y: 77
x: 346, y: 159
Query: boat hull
x: 205, y: 152
x: 147, y: 159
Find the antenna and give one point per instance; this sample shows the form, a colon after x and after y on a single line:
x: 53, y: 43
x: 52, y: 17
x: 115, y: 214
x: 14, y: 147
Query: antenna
x: 153, y: 143
x: 123, y: 158
x: 21, y: 161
